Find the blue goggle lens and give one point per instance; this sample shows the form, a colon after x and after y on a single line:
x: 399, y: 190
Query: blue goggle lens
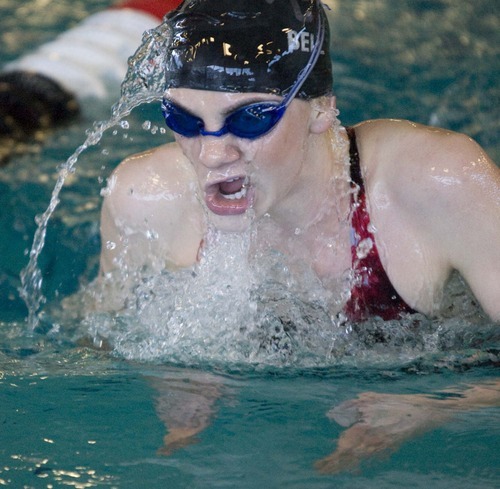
x: 181, y: 121
x: 249, y: 122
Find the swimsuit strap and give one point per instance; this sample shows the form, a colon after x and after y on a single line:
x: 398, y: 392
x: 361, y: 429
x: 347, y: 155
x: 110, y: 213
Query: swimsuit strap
x: 373, y: 293
x: 355, y: 168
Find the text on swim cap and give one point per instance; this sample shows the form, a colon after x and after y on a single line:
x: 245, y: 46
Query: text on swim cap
x: 302, y: 40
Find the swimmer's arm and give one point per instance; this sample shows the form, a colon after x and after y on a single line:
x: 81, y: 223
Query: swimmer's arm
x: 185, y: 403
x: 450, y: 191
x: 468, y: 218
x: 380, y: 423
x: 150, y: 216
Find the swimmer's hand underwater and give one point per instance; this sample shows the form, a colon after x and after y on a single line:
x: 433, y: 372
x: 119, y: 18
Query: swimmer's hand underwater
x: 380, y: 423
x: 185, y: 404
x: 178, y: 438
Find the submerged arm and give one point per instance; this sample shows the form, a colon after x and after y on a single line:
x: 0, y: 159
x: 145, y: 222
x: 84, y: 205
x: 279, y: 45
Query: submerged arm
x: 380, y: 423
x: 185, y: 404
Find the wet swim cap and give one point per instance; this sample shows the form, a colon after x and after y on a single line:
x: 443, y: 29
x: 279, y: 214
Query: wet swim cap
x: 247, y: 46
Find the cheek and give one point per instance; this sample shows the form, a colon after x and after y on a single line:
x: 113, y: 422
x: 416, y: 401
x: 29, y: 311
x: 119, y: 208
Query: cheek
x: 186, y: 145
x: 295, y: 130
x: 190, y: 148
x: 285, y: 147
x: 277, y: 164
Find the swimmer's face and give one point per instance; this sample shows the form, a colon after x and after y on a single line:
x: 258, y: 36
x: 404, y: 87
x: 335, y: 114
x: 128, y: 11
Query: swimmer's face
x: 237, y: 174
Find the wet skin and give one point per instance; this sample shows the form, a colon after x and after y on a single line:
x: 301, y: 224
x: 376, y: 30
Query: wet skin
x: 419, y: 182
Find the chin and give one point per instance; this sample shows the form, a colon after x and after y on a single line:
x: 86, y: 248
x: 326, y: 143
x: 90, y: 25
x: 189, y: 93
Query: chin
x: 233, y: 223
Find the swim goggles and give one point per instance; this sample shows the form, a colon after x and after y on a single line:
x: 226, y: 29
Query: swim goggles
x: 250, y: 121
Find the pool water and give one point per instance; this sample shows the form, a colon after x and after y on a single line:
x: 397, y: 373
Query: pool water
x: 89, y: 423
x: 75, y: 416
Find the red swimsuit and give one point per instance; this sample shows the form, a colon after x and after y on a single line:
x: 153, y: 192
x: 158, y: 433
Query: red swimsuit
x: 373, y: 294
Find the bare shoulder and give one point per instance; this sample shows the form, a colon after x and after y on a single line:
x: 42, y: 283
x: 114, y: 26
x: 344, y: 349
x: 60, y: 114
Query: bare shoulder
x: 153, y: 185
x: 410, y: 145
x: 155, y: 172
x: 419, y: 162
x: 151, y: 213
x: 434, y: 196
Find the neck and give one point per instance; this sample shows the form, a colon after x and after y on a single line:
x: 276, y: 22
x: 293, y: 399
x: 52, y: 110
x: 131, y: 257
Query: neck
x: 316, y: 230
x: 321, y: 196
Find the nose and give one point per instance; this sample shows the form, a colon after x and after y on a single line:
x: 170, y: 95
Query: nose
x: 218, y: 151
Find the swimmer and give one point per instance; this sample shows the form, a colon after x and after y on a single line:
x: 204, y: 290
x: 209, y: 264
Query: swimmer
x: 249, y: 99
x: 248, y: 95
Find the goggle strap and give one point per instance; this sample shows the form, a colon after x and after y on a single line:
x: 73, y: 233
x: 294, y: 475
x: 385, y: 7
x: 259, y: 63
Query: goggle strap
x: 306, y: 71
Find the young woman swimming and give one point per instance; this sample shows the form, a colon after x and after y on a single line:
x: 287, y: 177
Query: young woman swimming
x: 248, y: 94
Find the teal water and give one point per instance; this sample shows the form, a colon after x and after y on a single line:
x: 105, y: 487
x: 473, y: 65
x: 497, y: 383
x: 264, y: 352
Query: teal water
x: 97, y: 427
x: 73, y: 416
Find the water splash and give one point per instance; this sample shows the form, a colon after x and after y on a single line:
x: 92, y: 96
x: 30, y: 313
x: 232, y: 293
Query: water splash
x: 144, y: 83
x: 241, y: 309
x: 192, y: 312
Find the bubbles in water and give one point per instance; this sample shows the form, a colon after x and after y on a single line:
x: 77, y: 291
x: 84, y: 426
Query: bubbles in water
x: 241, y: 307
x: 235, y: 306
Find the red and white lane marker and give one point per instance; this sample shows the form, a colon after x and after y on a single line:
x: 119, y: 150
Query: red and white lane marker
x: 90, y: 60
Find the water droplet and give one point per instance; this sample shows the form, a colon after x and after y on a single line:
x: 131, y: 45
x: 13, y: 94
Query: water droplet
x: 364, y: 248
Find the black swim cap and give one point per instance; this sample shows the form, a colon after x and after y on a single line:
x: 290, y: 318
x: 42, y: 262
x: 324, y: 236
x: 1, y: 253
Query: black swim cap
x: 248, y: 46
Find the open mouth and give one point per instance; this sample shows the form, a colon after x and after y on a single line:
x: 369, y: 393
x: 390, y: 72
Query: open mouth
x: 229, y: 197
x: 234, y: 189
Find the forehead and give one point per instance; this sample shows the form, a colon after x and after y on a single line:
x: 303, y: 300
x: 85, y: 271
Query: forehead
x: 213, y: 100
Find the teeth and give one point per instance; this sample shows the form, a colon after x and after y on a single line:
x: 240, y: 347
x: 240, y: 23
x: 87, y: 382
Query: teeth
x: 241, y: 193
x: 237, y: 195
